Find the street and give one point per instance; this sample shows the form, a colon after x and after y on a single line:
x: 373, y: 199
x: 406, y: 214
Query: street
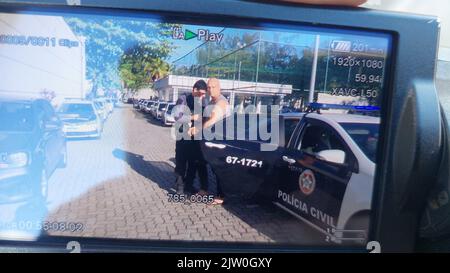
x: 118, y: 186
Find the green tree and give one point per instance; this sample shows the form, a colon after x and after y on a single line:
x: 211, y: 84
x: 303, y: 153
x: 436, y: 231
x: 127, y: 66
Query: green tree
x: 108, y: 38
x: 144, y: 64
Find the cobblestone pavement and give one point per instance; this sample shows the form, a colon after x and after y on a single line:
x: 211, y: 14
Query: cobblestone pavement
x: 117, y: 187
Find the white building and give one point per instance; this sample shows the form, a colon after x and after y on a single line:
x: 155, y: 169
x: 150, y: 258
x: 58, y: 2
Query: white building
x: 239, y: 93
x: 41, y: 55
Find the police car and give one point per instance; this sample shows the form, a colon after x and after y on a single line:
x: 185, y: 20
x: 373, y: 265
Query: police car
x: 322, y: 171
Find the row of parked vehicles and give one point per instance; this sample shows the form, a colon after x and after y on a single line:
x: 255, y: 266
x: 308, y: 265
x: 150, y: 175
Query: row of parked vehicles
x: 160, y: 110
x: 85, y: 118
x: 33, y: 138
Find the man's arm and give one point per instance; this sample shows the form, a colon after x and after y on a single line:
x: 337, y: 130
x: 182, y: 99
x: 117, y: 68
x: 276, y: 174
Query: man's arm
x: 216, y: 114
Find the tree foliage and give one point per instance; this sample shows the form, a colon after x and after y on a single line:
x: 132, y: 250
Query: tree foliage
x: 107, y: 40
x: 143, y: 64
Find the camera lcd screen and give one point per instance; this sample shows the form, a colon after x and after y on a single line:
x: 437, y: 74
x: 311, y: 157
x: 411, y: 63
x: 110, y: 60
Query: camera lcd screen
x: 142, y: 126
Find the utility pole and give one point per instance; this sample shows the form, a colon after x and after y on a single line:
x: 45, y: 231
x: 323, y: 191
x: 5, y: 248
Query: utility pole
x: 312, y: 85
x: 257, y: 64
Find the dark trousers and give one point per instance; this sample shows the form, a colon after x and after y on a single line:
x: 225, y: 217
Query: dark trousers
x: 189, y: 162
x: 219, y: 185
x: 199, y: 167
x: 181, y: 157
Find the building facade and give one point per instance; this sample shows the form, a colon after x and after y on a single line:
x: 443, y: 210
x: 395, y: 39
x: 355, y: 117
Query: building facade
x: 41, y: 56
x: 239, y: 93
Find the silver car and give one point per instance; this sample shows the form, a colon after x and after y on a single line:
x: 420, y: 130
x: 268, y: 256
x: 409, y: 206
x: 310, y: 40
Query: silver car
x: 160, y: 110
x: 167, y: 116
x: 80, y: 119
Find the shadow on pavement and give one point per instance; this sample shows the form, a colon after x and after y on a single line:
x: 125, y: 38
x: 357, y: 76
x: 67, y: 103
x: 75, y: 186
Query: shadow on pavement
x: 154, y: 121
x: 117, y: 209
x: 159, y: 172
x: 262, y: 216
x: 149, y: 118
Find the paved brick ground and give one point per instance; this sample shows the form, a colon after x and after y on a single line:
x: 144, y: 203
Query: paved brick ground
x: 117, y: 187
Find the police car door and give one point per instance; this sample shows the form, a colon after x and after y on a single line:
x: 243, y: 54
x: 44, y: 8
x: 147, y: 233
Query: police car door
x: 310, y: 185
x: 239, y: 164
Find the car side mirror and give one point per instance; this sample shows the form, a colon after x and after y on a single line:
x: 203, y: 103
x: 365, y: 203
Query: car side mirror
x: 333, y: 156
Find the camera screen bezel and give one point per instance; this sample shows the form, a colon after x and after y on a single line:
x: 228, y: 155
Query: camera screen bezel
x: 387, y: 24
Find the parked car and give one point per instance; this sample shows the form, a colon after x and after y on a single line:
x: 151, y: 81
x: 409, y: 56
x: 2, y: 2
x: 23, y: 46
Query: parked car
x: 80, y: 119
x: 100, y: 107
x: 148, y: 106
x: 136, y: 103
x: 154, y: 108
x: 114, y: 101
x: 167, y: 116
x: 109, y: 104
x: 160, y: 110
x: 32, y: 146
x: 142, y: 105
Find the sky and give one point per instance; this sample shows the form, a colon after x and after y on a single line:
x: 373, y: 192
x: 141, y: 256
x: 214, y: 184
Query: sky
x: 298, y: 37
x: 440, y: 8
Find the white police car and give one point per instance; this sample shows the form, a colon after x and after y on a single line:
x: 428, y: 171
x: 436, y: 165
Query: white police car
x: 323, y: 175
x: 327, y: 172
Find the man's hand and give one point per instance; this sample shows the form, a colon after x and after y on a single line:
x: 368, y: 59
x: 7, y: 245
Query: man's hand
x: 329, y: 2
x: 195, y: 117
x: 192, y: 131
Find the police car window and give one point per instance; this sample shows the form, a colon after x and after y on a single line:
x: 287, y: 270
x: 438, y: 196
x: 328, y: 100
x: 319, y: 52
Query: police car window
x: 317, y: 138
x: 365, y: 136
x: 289, y: 127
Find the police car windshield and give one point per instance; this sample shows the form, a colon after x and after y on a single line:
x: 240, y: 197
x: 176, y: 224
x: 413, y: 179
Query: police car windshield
x: 16, y: 117
x: 365, y: 135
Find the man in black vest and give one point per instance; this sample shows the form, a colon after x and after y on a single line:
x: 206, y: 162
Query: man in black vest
x: 188, y: 156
